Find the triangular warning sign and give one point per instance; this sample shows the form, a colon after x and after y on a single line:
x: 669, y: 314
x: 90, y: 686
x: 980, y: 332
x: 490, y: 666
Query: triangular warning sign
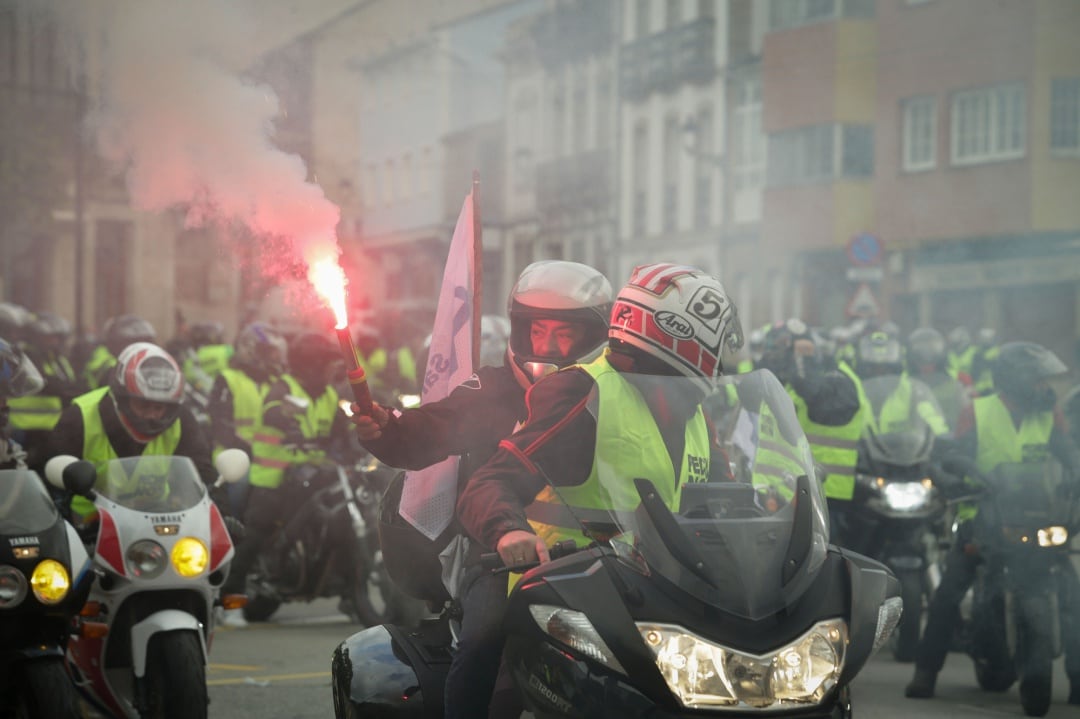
x: 863, y: 303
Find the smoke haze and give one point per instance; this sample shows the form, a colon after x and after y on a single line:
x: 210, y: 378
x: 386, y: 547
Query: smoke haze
x: 177, y: 114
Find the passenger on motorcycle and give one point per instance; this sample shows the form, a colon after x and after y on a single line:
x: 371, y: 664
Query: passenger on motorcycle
x: 830, y: 405
x: 926, y: 360
x: 18, y: 378
x: 119, y: 332
x: 881, y: 356
x: 1016, y: 425
x: 585, y: 412
x: 559, y: 314
x: 137, y: 413
x: 300, y: 424
x: 236, y: 400
x: 46, y: 339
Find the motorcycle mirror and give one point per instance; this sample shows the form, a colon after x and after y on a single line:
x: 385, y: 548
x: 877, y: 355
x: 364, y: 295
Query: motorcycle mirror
x: 232, y: 464
x: 71, y: 473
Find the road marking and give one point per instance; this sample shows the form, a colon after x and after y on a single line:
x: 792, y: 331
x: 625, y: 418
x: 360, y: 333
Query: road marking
x: 236, y: 667
x: 268, y: 678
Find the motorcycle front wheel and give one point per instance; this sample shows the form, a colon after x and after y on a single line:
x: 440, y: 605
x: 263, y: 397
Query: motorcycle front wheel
x: 47, y: 691
x: 176, y: 677
x: 905, y: 640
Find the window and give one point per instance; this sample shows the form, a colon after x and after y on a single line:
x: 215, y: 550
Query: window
x: 706, y: 8
x: 792, y: 13
x: 604, y: 101
x: 1065, y: 114
x: 579, y: 113
x: 672, y: 13
x: 989, y: 124
x: 558, y: 112
x: 641, y: 19
x: 821, y: 152
x: 748, y: 143
x: 672, y: 152
x: 704, y: 164
x: 641, y: 178
x: 919, y: 143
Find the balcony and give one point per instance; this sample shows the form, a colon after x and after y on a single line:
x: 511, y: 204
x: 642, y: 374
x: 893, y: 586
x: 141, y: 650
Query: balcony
x: 669, y: 59
x: 574, y: 31
x: 574, y: 184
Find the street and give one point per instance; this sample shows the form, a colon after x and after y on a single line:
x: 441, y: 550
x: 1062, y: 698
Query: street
x: 281, y: 670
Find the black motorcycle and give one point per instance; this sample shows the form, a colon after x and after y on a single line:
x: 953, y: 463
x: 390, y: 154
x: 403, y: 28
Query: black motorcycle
x: 725, y: 598
x: 329, y: 546
x: 1027, y: 515
x: 898, y: 513
x: 44, y: 581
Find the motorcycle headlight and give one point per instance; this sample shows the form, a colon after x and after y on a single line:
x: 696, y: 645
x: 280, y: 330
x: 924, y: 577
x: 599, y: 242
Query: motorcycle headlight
x: 1053, y: 536
x: 190, y: 557
x: 50, y: 581
x: 907, y: 496
x: 575, y: 631
x: 146, y: 559
x: 12, y: 587
x: 702, y: 674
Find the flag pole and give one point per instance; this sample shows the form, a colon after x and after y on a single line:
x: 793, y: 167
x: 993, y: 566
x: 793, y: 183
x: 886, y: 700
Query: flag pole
x: 478, y: 270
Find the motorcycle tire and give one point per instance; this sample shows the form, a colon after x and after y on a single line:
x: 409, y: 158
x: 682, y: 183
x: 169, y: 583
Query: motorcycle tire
x: 260, y: 608
x: 47, y: 691
x: 1035, y: 695
x: 176, y: 677
x: 370, y: 610
x: 994, y: 679
x: 905, y: 640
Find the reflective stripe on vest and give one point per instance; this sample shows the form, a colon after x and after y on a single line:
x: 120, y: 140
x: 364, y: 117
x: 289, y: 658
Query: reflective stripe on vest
x: 836, y: 448
x: 98, y: 449
x: 38, y: 411
x: 270, y: 457
x: 628, y: 446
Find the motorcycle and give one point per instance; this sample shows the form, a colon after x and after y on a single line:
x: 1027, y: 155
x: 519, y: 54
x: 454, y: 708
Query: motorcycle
x: 329, y: 546
x: 899, y: 511
x: 727, y: 598
x: 161, y: 554
x: 1027, y: 515
x: 44, y: 579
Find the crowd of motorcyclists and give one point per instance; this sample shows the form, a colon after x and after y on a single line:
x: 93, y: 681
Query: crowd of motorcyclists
x: 277, y: 396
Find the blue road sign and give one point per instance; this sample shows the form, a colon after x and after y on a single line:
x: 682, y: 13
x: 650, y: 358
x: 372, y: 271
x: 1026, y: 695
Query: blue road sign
x: 864, y: 249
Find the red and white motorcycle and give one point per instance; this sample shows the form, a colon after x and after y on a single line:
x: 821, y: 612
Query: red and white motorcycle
x: 161, y: 554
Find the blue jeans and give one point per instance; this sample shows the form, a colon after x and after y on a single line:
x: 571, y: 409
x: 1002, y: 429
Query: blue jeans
x: 475, y: 666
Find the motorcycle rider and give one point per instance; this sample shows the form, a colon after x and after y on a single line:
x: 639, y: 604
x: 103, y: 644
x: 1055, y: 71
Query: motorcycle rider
x: 300, y: 424
x: 926, y: 361
x: 562, y: 435
x: 32, y: 417
x: 1018, y: 424
x: 236, y: 400
x: 881, y: 355
x: 207, y: 356
x: 18, y: 378
x: 961, y: 353
x: 558, y: 314
x: 831, y: 408
x: 118, y: 333
x: 986, y: 351
x: 137, y: 413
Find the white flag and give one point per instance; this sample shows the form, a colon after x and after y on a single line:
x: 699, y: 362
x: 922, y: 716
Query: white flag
x: 429, y: 495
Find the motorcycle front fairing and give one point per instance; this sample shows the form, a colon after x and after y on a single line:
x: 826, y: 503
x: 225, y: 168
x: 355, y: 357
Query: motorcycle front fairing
x: 162, y: 553
x: 725, y: 598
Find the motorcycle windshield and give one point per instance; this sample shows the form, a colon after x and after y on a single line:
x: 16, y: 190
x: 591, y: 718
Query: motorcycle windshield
x: 151, y: 483
x: 904, y: 438
x: 742, y: 524
x: 25, y: 504
x: 1031, y: 495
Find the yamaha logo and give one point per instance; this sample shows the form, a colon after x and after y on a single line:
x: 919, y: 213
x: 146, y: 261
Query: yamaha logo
x: 674, y: 325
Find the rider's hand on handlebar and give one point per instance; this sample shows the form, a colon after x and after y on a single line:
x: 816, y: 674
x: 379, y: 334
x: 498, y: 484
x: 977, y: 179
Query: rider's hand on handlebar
x: 369, y: 426
x: 518, y: 547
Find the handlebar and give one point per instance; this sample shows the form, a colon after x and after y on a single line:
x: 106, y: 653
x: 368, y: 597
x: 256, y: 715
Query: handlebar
x: 493, y: 562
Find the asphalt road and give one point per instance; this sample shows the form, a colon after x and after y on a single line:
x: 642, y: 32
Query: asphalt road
x: 281, y: 670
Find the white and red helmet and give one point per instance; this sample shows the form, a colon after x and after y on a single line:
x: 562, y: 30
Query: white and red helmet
x: 146, y: 372
x: 679, y: 315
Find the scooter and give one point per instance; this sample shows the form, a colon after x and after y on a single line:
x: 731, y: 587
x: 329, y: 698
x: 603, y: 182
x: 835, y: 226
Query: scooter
x: 724, y: 598
x: 44, y: 579
x: 161, y: 554
x: 1026, y: 517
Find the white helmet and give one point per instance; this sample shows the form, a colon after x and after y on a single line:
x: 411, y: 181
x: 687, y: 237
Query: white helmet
x: 680, y: 316
x: 146, y: 372
x: 563, y: 291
